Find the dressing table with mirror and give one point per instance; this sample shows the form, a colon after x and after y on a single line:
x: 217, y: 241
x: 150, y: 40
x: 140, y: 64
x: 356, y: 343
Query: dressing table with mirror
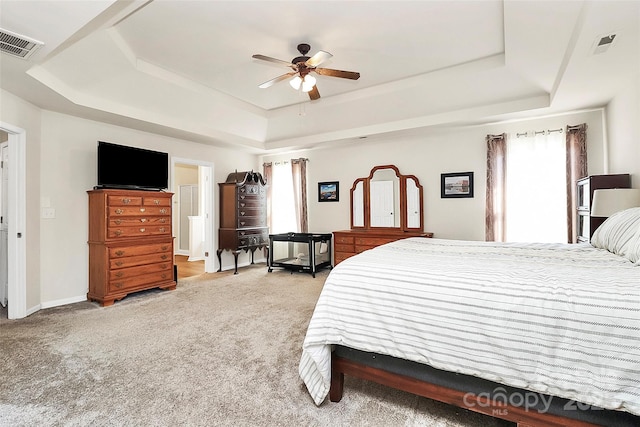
x: 385, y: 206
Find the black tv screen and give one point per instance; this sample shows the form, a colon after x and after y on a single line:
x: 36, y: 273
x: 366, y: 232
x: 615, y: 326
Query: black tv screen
x: 120, y: 166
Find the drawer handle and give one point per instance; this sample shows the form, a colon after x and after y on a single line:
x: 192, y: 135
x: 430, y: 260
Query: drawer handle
x: 118, y: 232
x: 164, y: 248
x: 242, y: 223
x: 142, y: 209
x: 242, y: 197
x: 156, y: 201
x: 162, y: 229
x: 163, y: 211
x: 119, y: 274
x: 163, y: 220
x: 118, y: 221
x: 119, y: 253
x: 142, y: 230
x: 119, y: 263
x: 118, y: 285
x: 126, y: 201
x: 143, y: 219
x: 241, y: 213
x: 164, y: 257
x: 164, y: 275
x: 119, y: 211
x: 242, y: 205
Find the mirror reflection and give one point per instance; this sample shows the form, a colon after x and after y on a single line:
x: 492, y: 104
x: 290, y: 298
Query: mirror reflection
x: 387, y: 199
x: 357, y: 203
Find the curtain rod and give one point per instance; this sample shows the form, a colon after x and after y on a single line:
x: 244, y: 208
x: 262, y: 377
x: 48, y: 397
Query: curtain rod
x: 284, y: 162
x: 538, y: 132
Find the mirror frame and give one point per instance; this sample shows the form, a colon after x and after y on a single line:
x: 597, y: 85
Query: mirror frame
x: 403, y: 201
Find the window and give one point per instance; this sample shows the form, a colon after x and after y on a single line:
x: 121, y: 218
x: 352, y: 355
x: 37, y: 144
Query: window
x: 535, y: 188
x: 283, y: 211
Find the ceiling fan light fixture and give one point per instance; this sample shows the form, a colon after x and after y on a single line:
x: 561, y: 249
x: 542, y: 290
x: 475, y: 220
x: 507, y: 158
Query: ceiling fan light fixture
x: 308, y: 83
x: 295, y: 82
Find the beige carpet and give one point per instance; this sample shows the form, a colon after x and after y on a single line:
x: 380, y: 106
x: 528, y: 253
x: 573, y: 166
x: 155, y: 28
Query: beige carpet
x: 221, y: 349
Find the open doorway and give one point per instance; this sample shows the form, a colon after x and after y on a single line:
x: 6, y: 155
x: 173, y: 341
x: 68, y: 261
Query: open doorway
x: 192, y: 185
x: 15, y: 220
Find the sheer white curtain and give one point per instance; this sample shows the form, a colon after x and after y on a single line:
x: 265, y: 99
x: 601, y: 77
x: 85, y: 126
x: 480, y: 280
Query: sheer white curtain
x: 283, y: 207
x: 535, y: 193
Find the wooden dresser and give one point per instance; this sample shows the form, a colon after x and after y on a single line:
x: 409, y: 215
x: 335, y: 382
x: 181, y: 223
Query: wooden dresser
x: 385, y: 206
x: 347, y: 243
x: 130, y: 243
x: 243, y: 215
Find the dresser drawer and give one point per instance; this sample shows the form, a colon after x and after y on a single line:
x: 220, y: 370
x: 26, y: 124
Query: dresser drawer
x: 252, y: 202
x: 132, y: 261
x: 339, y: 238
x: 138, y: 231
x: 253, y: 237
x: 133, y: 221
x: 156, y: 201
x: 252, y: 221
x: 374, y: 241
x: 127, y: 251
x: 115, y: 211
x: 124, y: 201
x: 246, y: 212
x: 139, y: 281
x: 341, y: 256
x: 337, y: 247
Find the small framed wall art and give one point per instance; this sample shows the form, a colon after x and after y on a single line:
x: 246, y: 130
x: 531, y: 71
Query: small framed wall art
x: 456, y: 185
x: 329, y: 191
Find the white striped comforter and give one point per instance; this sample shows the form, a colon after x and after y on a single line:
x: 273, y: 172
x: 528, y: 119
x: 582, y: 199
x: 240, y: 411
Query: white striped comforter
x: 557, y: 319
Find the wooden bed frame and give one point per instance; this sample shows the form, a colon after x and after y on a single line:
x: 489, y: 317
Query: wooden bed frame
x: 482, y: 404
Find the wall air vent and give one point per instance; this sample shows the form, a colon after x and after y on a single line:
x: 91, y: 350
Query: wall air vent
x: 17, y: 45
x: 603, y: 43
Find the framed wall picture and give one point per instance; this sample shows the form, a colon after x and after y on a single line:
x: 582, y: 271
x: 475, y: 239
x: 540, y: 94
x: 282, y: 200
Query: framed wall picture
x: 329, y: 191
x: 456, y: 185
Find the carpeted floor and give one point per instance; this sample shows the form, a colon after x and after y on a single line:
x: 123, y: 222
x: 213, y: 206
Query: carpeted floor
x: 221, y: 349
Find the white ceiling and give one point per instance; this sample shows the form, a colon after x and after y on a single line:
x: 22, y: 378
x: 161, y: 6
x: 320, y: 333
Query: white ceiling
x: 184, y: 68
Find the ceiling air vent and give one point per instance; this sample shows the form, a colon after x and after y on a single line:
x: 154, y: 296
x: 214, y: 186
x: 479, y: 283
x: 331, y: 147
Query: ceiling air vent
x: 17, y: 45
x: 603, y: 43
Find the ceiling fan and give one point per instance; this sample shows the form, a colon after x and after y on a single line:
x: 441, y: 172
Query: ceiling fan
x: 302, y: 66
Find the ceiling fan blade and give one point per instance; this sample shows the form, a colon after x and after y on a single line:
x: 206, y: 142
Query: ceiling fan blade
x: 317, y: 59
x: 338, y: 73
x: 271, y: 82
x: 270, y: 59
x: 313, y: 93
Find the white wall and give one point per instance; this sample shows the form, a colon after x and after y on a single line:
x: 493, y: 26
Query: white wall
x: 68, y: 170
x: 426, y: 155
x: 19, y: 113
x: 623, y: 124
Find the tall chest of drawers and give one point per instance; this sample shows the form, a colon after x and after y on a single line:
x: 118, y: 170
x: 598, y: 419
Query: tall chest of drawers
x: 130, y: 243
x: 243, y: 215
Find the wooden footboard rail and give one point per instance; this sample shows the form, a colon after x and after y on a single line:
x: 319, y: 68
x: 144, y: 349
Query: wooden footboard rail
x: 498, y: 409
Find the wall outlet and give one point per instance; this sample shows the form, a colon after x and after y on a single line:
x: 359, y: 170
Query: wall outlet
x: 48, y: 213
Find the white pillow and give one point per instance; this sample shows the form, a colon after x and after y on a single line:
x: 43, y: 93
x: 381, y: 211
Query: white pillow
x: 633, y: 250
x: 617, y: 234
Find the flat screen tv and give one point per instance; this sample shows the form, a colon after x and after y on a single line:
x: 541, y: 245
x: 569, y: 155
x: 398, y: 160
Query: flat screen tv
x: 120, y: 166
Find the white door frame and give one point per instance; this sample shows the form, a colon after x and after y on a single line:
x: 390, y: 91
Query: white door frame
x: 17, y: 213
x: 205, y: 184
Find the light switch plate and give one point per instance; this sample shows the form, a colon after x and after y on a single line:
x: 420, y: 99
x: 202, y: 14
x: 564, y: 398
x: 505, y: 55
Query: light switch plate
x: 48, y: 213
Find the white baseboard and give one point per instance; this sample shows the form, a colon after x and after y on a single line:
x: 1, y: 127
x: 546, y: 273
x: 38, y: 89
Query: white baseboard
x: 65, y: 301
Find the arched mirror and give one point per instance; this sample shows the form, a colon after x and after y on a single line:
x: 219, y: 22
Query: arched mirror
x: 386, y: 199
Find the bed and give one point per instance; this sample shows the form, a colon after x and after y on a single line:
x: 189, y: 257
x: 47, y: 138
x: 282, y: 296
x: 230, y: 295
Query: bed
x: 539, y: 334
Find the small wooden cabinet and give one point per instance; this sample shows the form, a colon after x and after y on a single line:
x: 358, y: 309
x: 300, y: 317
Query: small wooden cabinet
x: 347, y: 243
x: 243, y: 215
x: 130, y: 243
x: 585, y: 223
